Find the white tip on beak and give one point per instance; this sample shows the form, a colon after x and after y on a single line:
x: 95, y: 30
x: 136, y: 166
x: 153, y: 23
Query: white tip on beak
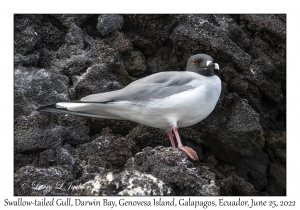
x: 217, y: 66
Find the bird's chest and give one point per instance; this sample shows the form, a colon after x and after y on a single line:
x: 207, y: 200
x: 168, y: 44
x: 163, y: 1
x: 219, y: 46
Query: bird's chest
x: 198, y: 105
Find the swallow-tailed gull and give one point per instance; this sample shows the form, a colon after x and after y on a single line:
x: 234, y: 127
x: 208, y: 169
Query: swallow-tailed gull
x: 165, y: 100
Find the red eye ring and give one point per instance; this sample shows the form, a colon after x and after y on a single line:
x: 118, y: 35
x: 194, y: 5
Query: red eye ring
x: 195, y: 62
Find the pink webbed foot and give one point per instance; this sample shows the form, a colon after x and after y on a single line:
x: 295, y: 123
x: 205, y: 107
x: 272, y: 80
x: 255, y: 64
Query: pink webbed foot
x: 190, y: 152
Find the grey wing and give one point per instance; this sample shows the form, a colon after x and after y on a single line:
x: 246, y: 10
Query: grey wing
x: 110, y: 105
x: 156, y: 86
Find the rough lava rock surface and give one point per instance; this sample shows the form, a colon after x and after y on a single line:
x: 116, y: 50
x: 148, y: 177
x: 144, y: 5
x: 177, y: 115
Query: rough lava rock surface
x: 241, y: 145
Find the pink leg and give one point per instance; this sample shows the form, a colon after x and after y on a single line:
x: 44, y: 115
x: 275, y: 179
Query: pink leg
x: 189, y: 151
x: 171, y: 136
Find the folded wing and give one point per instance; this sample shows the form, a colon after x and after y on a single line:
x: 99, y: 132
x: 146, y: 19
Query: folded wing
x: 113, y: 105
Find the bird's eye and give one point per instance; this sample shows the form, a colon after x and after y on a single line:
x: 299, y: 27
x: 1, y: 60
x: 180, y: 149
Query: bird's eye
x: 195, y: 62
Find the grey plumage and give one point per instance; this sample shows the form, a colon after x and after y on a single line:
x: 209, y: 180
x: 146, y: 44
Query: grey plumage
x: 156, y: 86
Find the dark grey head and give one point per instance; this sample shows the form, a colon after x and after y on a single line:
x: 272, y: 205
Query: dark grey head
x: 202, y: 64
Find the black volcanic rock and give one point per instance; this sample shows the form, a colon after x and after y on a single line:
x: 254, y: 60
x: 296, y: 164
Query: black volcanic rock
x: 109, y: 23
x: 62, y: 57
x: 173, y: 168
